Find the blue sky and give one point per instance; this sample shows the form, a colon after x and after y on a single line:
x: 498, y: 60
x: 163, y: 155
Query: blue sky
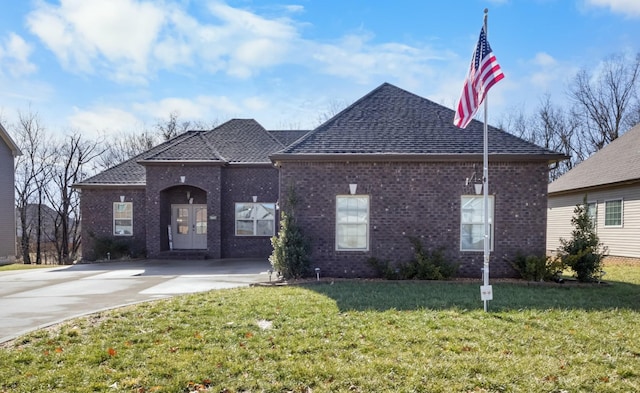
x: 105, y: 66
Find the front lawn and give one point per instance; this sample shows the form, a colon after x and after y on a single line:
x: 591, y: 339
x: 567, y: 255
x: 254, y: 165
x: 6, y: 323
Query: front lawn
x: 358, y: 336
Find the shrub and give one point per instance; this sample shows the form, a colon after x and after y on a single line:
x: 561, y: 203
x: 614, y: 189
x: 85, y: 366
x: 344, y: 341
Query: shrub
x: 290, y: 256
x: 583, y: 253
x: 537, y: 267
x: 108, y: 247
x: 426, y: 265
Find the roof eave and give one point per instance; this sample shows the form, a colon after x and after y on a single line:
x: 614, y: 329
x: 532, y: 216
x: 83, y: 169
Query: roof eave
x: 187, y: 162
x: 408, y: 157
x: 109, y: 185
x: 595, y: 187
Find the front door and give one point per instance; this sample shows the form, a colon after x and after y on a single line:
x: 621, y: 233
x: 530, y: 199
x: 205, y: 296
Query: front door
x: 189, y: 227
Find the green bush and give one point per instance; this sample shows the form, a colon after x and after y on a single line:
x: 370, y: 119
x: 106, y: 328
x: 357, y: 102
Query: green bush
x: 537, y: 267
x: 426, y: 265
x: 110, y: 248
x: 583, y: 253
x: 290, y: 255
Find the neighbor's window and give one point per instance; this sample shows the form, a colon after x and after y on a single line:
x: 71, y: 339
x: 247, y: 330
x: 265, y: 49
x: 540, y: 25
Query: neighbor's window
x: 352, y: 223
x: 613, y: 213
x: 472, y: 223
x: 255, y: 219
x: 123, y: 218
x: 592, y: 212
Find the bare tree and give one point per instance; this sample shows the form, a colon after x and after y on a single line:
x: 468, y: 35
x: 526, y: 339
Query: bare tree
x: 172, y: 127
x: 71, y: 157
x: 32, y: 173
x: 333, y: 109
x: 123, y: 146
x: 606, y: 102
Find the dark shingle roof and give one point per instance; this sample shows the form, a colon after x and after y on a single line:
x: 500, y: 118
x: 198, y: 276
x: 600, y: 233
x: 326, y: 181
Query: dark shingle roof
x: 391, y: 121
x: 243, y: 141
x: 236, y: 141
x: 287, y: 137
x: 130, y: 172
x: 616, y: 163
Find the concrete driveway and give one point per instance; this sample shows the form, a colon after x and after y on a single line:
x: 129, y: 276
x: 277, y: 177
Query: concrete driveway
x: 33, y: 299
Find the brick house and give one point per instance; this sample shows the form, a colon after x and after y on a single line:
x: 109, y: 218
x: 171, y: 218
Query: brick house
x: 393, y: 166
x: 389, y: 167
x: 209, y: 194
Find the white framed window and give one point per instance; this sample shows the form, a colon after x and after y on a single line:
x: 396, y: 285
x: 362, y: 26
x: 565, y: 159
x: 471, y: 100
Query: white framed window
x: 592, y: 212
x: 352, y: 223
x: 613, y: 210
x: 123, y: 218
x: 255, y: 219
x: 472, y: 223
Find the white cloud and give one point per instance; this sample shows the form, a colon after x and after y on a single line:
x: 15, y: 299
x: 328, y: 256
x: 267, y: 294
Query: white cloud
x: 198, y: 108
x: 118, y: 34
x: 14, y: 56
x: 629, y: 8
x: 100, y: 120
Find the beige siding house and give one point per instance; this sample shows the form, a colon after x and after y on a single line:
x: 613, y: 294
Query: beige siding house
x: 8, y: 151
x: 610, y: 180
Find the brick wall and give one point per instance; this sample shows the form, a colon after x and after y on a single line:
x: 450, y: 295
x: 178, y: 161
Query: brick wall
x: 96, y: 208
x: 421, y: 200
x: 240, y: 184
x: 164, y: 187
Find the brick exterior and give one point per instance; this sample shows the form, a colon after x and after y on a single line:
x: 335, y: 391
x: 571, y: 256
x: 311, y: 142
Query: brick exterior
x: 412, y: 199
x: 164, y: 188
x: 219, y: 187
x: 96, y: 208
x: 240, y: 184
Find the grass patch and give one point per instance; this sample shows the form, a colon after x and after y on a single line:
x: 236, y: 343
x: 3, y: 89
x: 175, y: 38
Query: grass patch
x: 22, y: 266
x: 347, y: 337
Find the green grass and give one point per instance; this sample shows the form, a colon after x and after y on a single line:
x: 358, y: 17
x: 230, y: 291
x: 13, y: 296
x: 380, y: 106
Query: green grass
x: 350, y: 336
x: 22, y: 266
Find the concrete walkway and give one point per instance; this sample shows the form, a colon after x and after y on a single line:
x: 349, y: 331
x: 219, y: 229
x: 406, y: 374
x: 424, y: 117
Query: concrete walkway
x: 33, y: 299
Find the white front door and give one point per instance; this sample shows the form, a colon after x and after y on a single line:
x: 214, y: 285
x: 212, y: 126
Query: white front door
x: 189, y: 227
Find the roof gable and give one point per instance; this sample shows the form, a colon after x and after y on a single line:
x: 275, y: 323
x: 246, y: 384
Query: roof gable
x: 617, y: 162
x: 393, y: 121
x: 236, y: 141
x: 4, y: 136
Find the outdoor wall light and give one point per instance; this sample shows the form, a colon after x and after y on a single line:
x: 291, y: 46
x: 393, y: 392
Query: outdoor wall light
x: 121, y: 198
x: 188, y: 195
x: 182, y: 179
x: 255, y: 198
x: 317, y: 274
x: 353, y: 188
x: 477, y: 183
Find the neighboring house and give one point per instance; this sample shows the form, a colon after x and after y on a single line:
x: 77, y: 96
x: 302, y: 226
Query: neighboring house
x: 389, y: 167
x: 610, y: 181
x: 8, y: 151
x: 393, y: 166
x: 208, y: 194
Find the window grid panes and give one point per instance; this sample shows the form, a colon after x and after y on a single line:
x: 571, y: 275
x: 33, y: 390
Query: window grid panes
x: 352, y: 223
x: 123, y: 218
x: 613, y: 213
x: 592, y: 212
x: 255, y: 219
x: 472, y: 223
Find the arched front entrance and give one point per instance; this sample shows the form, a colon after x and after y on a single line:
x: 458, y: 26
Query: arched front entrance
x: 188, y: 227
x: 184, y: 218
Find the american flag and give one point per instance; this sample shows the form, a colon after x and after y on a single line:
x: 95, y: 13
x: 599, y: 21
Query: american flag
x: 484, y: 72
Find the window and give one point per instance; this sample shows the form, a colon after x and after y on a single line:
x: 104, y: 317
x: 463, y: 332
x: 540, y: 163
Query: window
x: 352, y: 223
x: 472, y: 223
x: 255, y: 219
x: 613, y: 213
x: 592, y: 212
x: 123, y: 218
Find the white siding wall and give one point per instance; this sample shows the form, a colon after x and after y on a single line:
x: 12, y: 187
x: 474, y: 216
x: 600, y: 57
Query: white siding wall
x: 623, y: 241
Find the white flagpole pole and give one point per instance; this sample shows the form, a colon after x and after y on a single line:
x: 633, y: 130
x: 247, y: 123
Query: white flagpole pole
x: 485, y: 186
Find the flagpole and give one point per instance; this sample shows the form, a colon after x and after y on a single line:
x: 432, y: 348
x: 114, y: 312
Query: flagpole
x: 485, y: 186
